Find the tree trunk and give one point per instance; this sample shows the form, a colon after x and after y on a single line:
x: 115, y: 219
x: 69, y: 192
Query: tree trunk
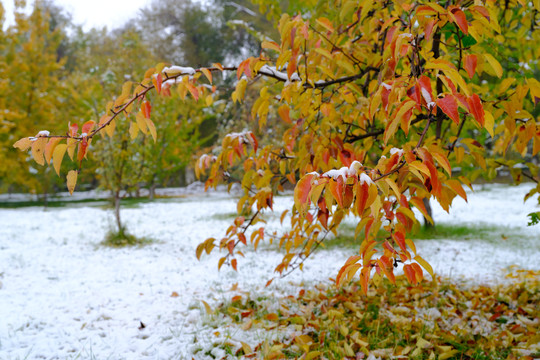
x: 152, y: 192
x: 427, y: 205
x: 117, y: 211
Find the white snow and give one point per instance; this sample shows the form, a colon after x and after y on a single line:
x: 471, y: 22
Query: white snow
x: 43, y: 133
x: 63, y: 296
x: 344, y: 172
x: 335, y: 173
x: 265, y: 69
x: 426, y: 95
x: 396, y: 151
x: 175, y: 70
x: 365, y: 179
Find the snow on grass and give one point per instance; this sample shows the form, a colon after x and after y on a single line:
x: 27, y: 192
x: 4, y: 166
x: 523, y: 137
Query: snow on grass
x: 63, y: 296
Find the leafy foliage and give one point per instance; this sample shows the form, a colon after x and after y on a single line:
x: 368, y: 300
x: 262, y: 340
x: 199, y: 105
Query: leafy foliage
x: 374, y: 106
x: 436, y: 319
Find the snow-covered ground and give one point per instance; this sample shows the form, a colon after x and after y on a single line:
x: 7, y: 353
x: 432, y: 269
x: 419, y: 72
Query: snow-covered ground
x: 62, y: 296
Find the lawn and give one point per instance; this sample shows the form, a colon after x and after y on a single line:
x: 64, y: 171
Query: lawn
x: 63, y: 295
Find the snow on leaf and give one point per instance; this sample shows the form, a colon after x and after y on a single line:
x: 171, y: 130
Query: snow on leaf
x: 177, y: 70
x: 425, y: 87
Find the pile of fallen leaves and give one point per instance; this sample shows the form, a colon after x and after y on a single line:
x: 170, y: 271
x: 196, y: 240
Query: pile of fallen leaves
x: 439, y: 319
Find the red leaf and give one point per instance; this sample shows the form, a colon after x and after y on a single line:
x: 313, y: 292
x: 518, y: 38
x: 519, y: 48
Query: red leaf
x: 462, y: 99
x: 399, y: 238
x: 362, y: 194
x: 384, y: 97
x: 87, y: 127
x: 301, y: 191
x: 470, y: 64
x: 425, y: 88
x: 234, y: 264
x: 146, y: 108
x: 336, y: 188
x: 242, y: 238
x: 346, y: 157
x: 253, y: 140
x: 429, y: 28
x: 414, y: 93
x: 449, y: 106
x: 481, y: 10
x: 476, y: 109
x: 434, y: 177
x: 322, y: 216
x: 409, y: 272
x: 230, y: 246
x: 460, y: 18
x: 83, y: 145
x: 73, y: 129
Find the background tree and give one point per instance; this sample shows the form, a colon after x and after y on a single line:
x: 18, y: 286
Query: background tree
x: 379, y: 103
x: 33, y: 90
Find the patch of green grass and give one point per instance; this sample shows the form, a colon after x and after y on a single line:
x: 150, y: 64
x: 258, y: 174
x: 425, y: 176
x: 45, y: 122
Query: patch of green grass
x: 224, y: 216
x: 457, y: 232
x: 54, y: 202
x: 501, y: 235
x: 122, y: 238
x: 40, y: 203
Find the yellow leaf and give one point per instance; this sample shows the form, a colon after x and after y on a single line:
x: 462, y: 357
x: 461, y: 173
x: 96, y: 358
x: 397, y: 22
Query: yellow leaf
x: 71, y: 180
x: 366, y: 8
x: 394, y: 186
x: 207, y: 307
x: 207, y: 73
x: 152, y: 129
x: 38, y: 148
x: 23, y: 144
x: 209, y: 100
x: 58, y: 155
x: 443, y: 161
x: 325, y: 23
x: 489, y: 122
x: 312, y: 355
x: 497, y: 68
x: 141, y: 122
x: 534, y: 87
x: 133, y: 130
x: 270, y: 45
x: 109, y: 129
x: 456, y: 186
x: 424, y: 264
x: 247, y: 349
x: 448, y: 354
x: 71, y: 145
x: 51, y: 145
